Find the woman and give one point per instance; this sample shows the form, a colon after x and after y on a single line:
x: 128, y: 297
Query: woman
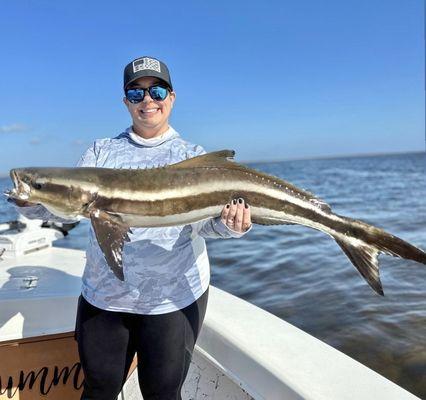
x: 158, y: 310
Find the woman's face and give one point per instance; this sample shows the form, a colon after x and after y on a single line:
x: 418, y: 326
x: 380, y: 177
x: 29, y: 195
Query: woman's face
x: 150, y: 117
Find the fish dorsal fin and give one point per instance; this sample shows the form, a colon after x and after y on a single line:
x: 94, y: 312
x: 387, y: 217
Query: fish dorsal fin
x: 206, y: 160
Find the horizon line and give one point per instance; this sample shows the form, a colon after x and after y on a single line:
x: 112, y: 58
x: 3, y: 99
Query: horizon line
x: 336, y: 156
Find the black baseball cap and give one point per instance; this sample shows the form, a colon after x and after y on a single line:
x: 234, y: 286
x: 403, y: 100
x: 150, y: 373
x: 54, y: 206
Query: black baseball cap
x: 146, y: 66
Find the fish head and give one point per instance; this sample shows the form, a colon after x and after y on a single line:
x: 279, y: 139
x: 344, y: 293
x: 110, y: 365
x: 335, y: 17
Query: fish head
x: 47, y: 186
x: 22, y: 185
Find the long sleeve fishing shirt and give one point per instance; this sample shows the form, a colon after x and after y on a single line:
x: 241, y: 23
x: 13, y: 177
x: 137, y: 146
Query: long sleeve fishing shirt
x: 165, y: 268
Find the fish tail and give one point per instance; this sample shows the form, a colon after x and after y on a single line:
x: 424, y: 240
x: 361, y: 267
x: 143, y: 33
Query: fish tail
x: 370, y: 242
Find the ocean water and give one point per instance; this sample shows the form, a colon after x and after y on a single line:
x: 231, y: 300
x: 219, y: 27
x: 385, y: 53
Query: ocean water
x: 302, y: 276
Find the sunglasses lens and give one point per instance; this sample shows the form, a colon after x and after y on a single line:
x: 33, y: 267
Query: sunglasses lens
x: 135, y: 95
x: 158, y: 93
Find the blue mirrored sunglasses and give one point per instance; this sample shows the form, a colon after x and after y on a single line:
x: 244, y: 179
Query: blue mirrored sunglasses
x: 136, y: 95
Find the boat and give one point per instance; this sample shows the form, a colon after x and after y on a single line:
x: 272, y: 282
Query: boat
x: 242, y: 353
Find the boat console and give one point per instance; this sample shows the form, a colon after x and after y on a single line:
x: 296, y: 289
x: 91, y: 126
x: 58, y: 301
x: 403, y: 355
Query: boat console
x: 25, y: 235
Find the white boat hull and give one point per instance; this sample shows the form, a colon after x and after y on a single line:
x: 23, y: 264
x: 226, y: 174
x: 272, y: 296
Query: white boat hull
x: 242, y: 352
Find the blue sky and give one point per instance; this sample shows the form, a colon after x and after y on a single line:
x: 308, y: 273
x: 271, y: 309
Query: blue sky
x: 272, y: 79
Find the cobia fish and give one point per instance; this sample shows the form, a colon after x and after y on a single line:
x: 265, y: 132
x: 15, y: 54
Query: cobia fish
x: 193, y: 190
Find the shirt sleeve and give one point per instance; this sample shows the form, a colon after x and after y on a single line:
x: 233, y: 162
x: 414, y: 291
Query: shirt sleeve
x: 88, y: 159
x: 214, y: 228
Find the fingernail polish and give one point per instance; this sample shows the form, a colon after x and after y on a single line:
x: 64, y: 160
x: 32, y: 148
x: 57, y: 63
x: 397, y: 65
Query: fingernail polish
x: 246, y: 205
x: 234, y: 201
x: 227, y: 206
x: 240, y: 200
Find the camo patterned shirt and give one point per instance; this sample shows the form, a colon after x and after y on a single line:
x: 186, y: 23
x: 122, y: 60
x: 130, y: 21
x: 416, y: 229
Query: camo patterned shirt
x: 165, y: 269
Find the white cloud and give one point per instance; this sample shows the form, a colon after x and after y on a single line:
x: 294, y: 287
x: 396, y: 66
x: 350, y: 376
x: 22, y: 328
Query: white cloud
x: 12, y: 128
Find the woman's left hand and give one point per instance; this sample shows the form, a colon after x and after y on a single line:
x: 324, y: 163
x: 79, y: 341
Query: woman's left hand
x: 237, y: 215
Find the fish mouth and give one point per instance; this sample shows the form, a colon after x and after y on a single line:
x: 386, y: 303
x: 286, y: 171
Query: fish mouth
x: 21, y: 190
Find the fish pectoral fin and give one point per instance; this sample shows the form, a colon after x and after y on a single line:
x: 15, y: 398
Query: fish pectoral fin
x: 364, y: 258
x: 111, y: 234
x: 206, y: 160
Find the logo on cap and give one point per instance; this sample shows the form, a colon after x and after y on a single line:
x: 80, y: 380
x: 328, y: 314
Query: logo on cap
x: 146, y: 63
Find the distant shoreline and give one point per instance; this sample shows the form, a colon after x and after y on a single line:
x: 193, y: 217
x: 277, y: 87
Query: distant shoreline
x: 333, y: 157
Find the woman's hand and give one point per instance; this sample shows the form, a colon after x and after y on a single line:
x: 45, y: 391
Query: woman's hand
x: 237, y: 216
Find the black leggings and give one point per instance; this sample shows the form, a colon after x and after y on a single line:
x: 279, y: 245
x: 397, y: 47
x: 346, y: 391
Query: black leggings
x: 108, y: 341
